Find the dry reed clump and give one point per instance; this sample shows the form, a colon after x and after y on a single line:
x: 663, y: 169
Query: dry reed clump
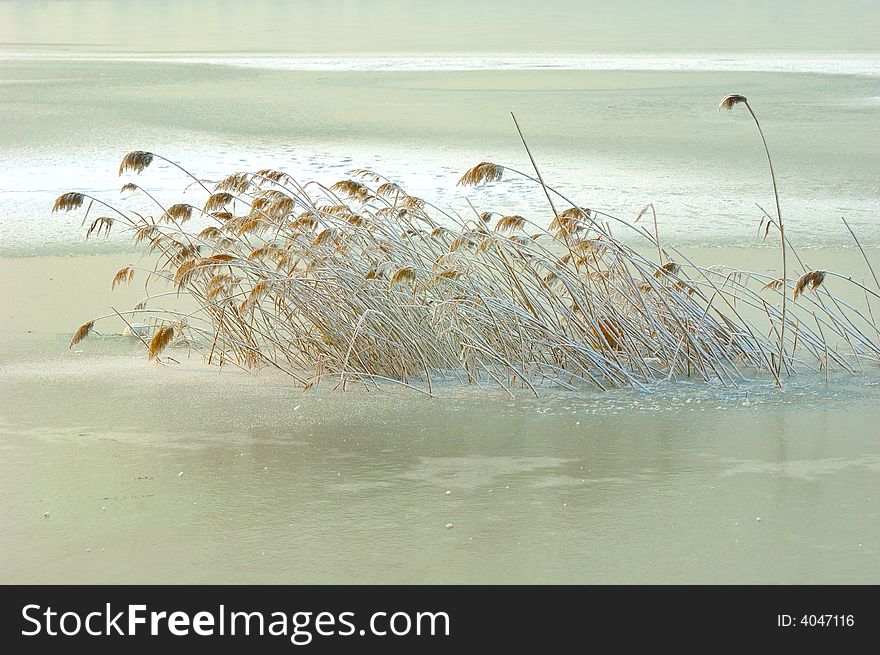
x: 362, y: 282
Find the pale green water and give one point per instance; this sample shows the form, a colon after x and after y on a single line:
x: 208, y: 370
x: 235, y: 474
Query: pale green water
x: 612, y: 140
x: 423, y: 25
x: 280, y: 486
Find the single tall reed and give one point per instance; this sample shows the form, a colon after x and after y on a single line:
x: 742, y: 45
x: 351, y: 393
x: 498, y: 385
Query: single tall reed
x: 728, y: 102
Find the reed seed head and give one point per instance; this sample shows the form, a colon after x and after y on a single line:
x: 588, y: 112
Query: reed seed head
x: 481, y: 174
x: 403, y: 274
x: 389, y: 189
x: 136, y: 160
x: 728, y: 101
x: 669, y: 268
x: 774, y: 284
x: 123, y: 276
x: 81, y: 333
x: 68, y: 201
x: 510, y: 223
x: 100, y: 224
x: 812, y: 279
x: 180, y: 212
x: 352, y: 189
x: 161, y: 340
x: 217, y: 201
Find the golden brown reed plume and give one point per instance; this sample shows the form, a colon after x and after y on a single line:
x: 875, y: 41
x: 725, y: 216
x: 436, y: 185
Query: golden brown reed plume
x: 210, y: 233
x: 123, y: 276
x: 217, y: 201
x: 811, y: 278
x: 185, y: 273
x: 180, y: 212
x: 486, y: 243
x: 325, y: 236
x: 413, y: 203
x: 462, y: 241
x: 563, y: 226
x: 389, y: 190
x: 305, y: 221
x: 403, y: 274
x: 367, y: 174
x: 253, y: 225
x: 235, y: 183
x: 81, y: 333
x: 147, y: 232
x: 218, y: 258
x: 160, y: 340
x: 352, y: 189
x: 669, y: 268
x: 510, y: 223
x: 68, y: 201
x: 448, y: 274
x: 575, y: 213
x: 177, y: 253
x: 274, y: 175
x: 136, y: 160
x: 218, y: 285
x: 728, y: 101
x: 481, y: 174
x: 335, y: 209
x: 100, y: 224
